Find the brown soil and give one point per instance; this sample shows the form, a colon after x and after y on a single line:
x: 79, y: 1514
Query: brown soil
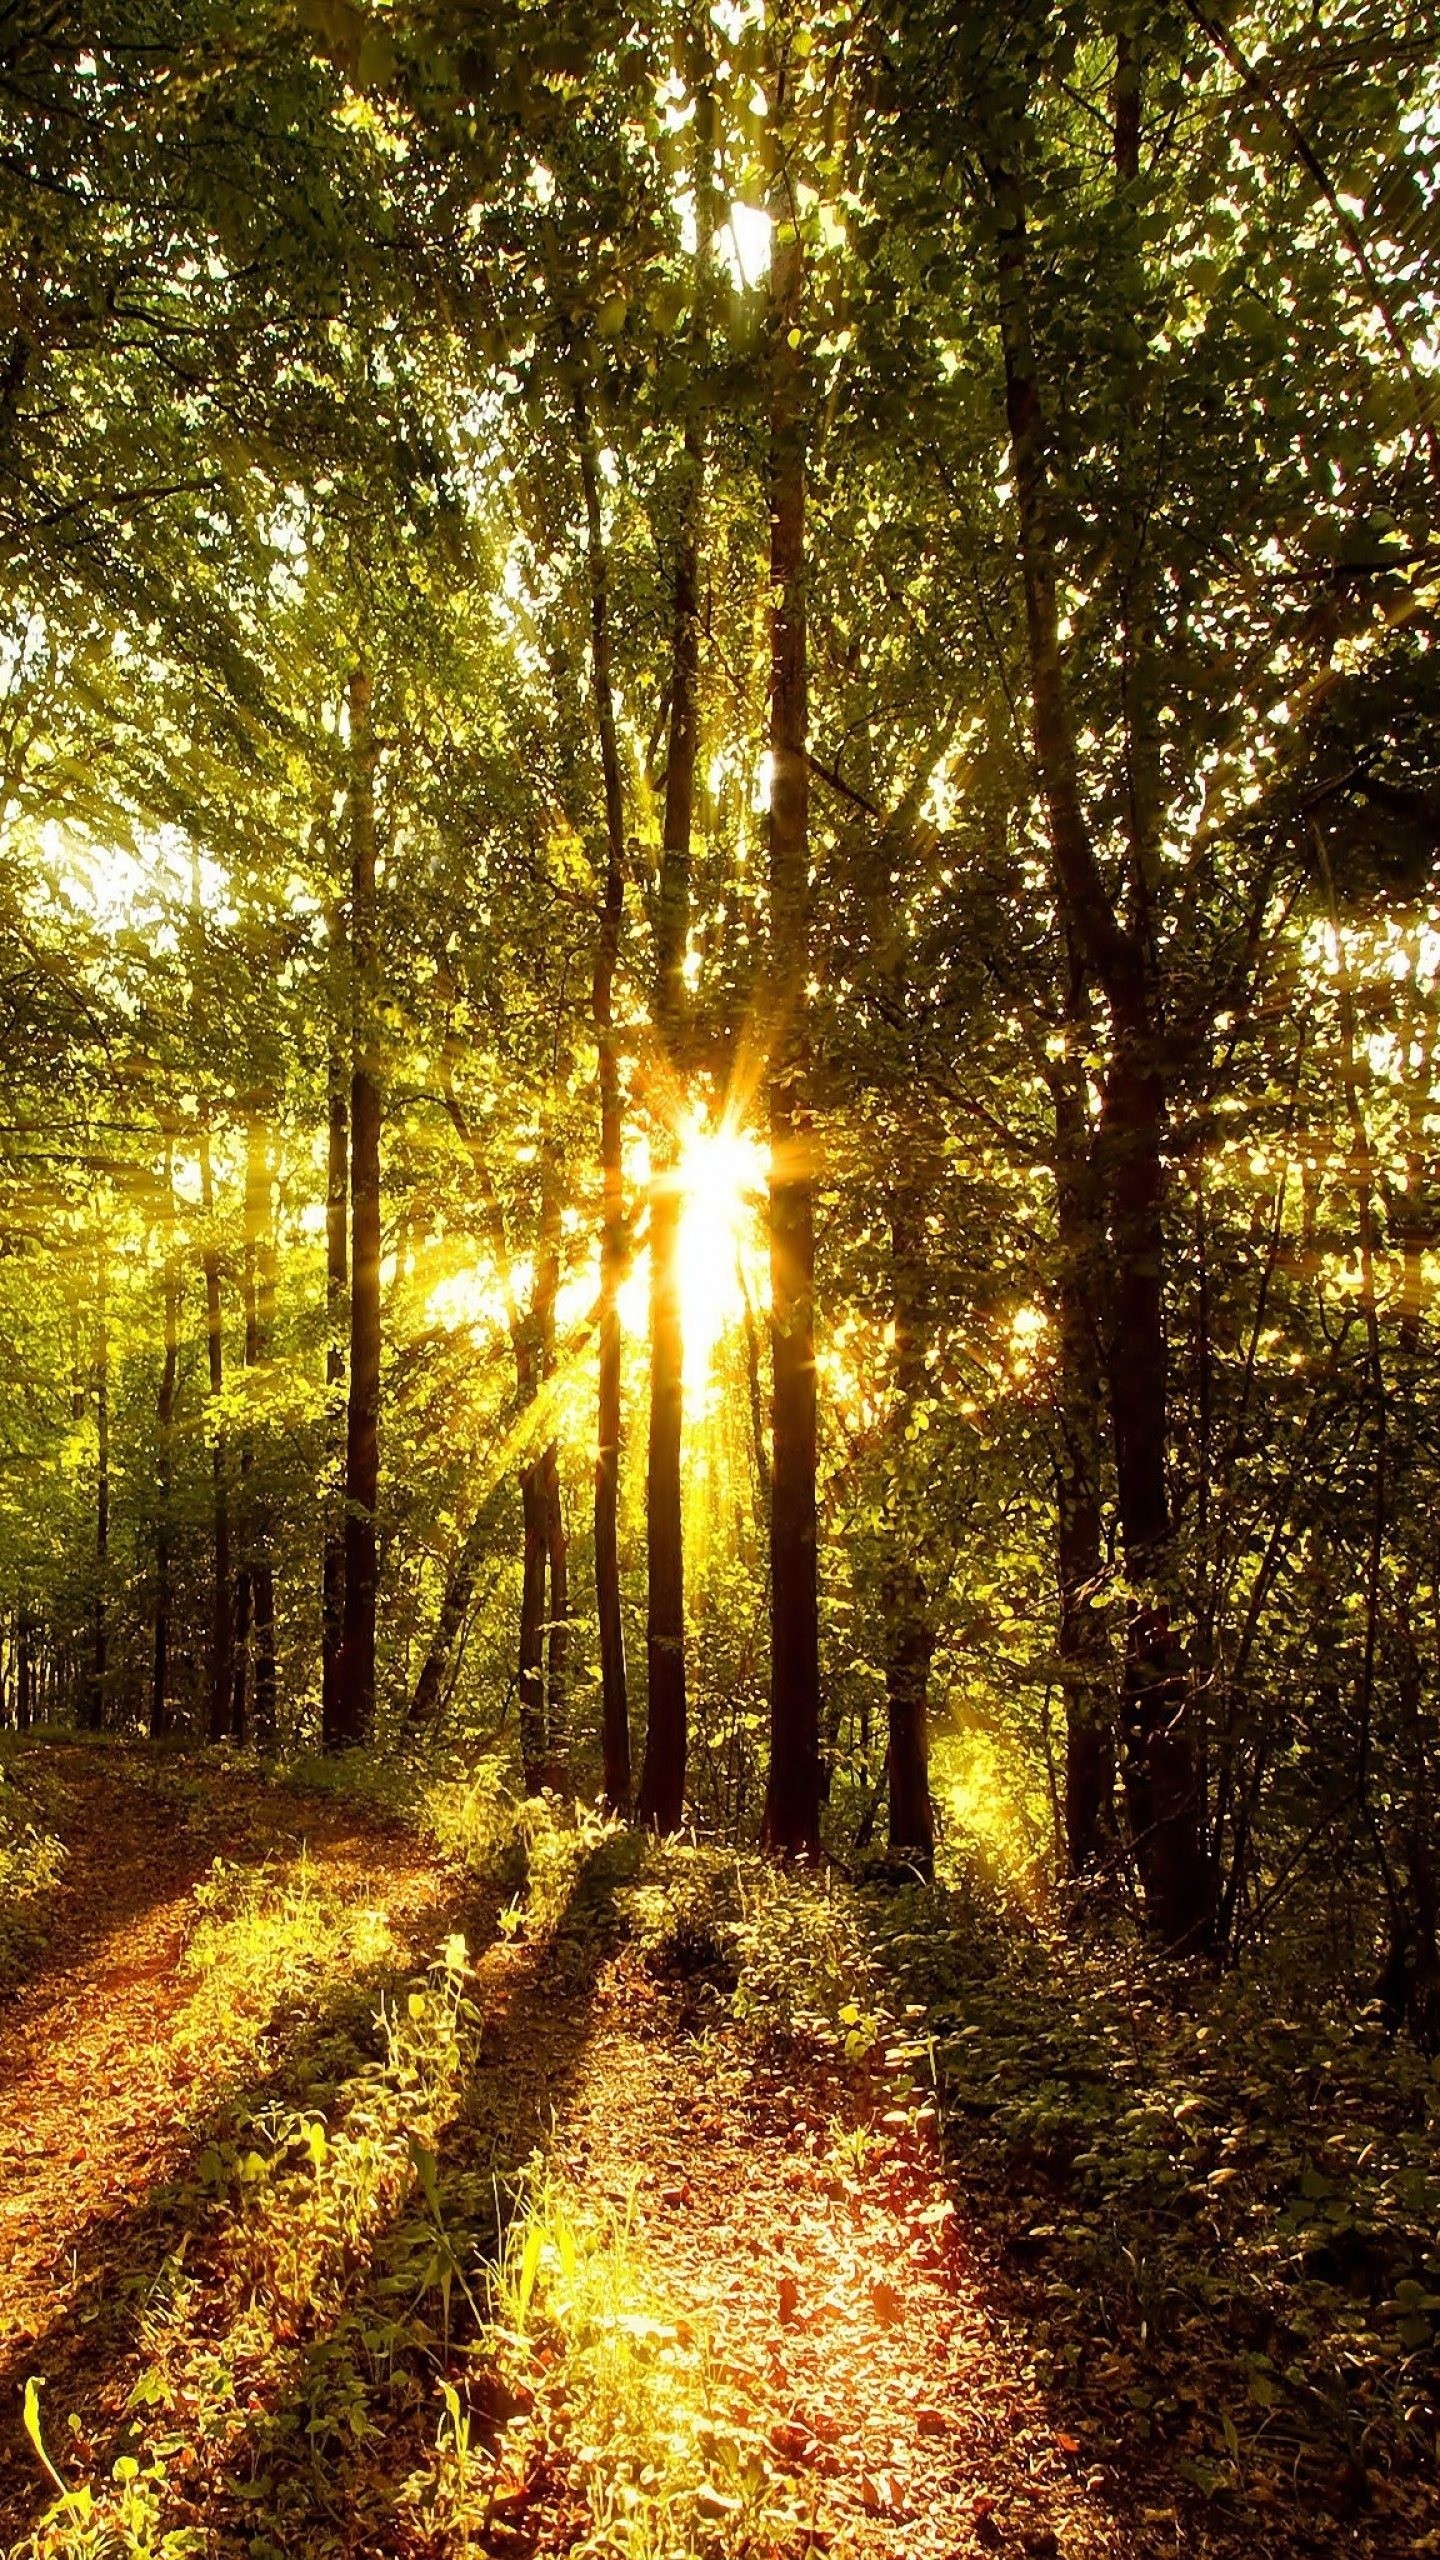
x: 850, y: 2340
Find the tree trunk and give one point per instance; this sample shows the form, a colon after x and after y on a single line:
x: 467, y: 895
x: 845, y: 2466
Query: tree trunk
x: 615, y: 1713
x: 535, y: 1515
x: 909, y: 1633
x: 1161, y: 1771
x: 355, y: 1683
x: 337, y: 1273
x: 557, y: 1651
x: 662, y: 1789
x: 221, y: 1624
x: 165, y: 1465
x: 93, y: 1711
x: 542, y: 1669
x: 1085, y: 1672
x: 426, y: 1698
x: 25, y: 1683
x: 792, y: 1795
x: 244, y: 1601
x: 259, y: 1318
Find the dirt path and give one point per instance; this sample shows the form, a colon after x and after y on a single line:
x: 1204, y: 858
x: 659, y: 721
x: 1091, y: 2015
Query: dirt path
x: 100, y: 2097
x: 850, y: 2361
x: 850, y: 2354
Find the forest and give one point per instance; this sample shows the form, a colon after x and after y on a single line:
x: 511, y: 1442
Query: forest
x: 719, y: 1244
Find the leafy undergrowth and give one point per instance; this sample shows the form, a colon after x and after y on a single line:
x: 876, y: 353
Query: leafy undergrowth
x: 1217, y: 2207
x: 605, y: 2237
x: 32, y: 1859
x: 295, y: 2345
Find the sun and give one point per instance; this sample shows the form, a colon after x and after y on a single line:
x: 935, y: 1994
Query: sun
x: 722, y: 1175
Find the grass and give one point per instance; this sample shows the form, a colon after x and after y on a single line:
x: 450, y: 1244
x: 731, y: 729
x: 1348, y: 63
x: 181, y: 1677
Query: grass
x: 32, y: 1860
x: 595, y: 2360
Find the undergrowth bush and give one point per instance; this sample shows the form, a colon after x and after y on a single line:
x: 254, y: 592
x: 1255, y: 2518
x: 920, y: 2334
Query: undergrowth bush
x: 1220, y: 2199
x: 32, y: 1861
x: 577, y: 2323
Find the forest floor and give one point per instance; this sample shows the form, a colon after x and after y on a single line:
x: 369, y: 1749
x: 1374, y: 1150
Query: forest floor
x: 573, y: 2242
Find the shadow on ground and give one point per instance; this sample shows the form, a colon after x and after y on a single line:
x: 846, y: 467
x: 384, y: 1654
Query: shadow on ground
x: 344, y: 2406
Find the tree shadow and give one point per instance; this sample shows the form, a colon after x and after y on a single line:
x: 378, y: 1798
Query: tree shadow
x: 122, y: 1863
x: 144, y: 1822
x: 1126, y: 2144
x: 303, y: 2442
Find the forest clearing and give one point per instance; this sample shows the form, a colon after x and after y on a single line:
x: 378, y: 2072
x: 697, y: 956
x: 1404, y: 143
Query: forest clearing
x: 719, y: 1240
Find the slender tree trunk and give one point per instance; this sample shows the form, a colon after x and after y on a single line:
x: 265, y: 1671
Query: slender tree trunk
x: 222, y: 1633
x: 557, y: 1650
x: 259, y: 1574
x: 1085, y: 1672
x: 615, y: 1712
x: 535, y: 1517
x: 93, y: 1709
x: 355, y: 1685
x: 792, y: 1796
x: 25, y: 1671
x: 542, y: 1664
x: 542, y: 1670
x: 337, y: 1273
x: 1160, y: 1765
x: 165, y: 1465
x: 244, y: 1603
x: 662, y: 1789
x: 909, y: 1632
x: 427, y: 1696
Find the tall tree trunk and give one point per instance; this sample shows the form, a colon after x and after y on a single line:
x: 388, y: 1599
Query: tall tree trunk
x: 337, y: 1274
x: 93, y: 1708
x: 355, y: 1686
x: 542, y: 1667
x: 792, y: 1794
x: 1085, y: 1672
x: 244, y: 1601
x: 557, y: 1649
x: 662, y: 1788
x: 165, y: 1464
x: 427, y: 1696
x: 615, y: 1711
x: 1160, y: 1763
x: 25, y: 1671
x: 259, y: 1574
x: 535, y: 1519
x: 909, y: 1631
x: 222, y: 1630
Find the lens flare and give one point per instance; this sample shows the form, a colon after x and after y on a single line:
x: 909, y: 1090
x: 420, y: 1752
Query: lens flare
x: 722, y: 1174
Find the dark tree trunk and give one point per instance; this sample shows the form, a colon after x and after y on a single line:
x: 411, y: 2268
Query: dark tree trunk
x: 535, y: 1516
x: 240, y: 1680
x: 614, y: 1708
x: 355, y: 1684
x: 337, y: 1274
x: 93, y: 1708
x: 25, y: 1671
x: 792, y: 1795
x: 557, y: 1651
x: 1085, y: 1670
x: 662, y: 1788
x: 165, y: 1466
x: 428, y: 1694
x: 222, y: 1632
x: 259, y: 1318
x: 909, y: 1632
x: 1160, y: 1763
x: 542, y: 1666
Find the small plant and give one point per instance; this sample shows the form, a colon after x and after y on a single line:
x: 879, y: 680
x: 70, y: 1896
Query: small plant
x: 576, y: 2321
